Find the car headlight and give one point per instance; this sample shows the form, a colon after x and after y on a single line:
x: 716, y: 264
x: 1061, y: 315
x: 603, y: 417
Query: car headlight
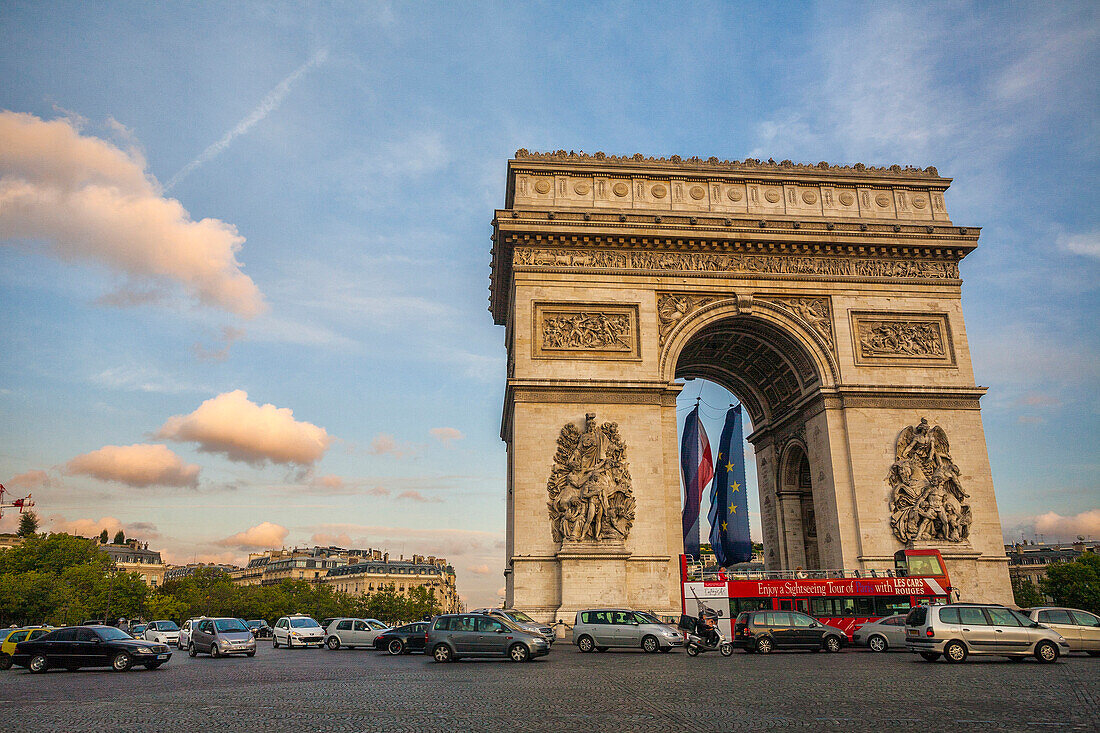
x: 143, y: 650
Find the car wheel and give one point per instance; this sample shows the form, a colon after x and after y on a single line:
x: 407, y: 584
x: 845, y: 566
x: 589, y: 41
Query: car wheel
x: 585, y: 644
x: 333, y: 643
x: 38, y: 664
x: 519, y: 653
x: 877, y: 643
x: 832, y: 645
x: 650, y: 644
x: 764, y: 645
x: 954, y: 652
x: 1046, y: 652
x: 191, y: 650
x: 121, y: 662
x: 395, y: 647
x: 250, y: 654
x: 441, y: 653
x: 5, y: 661
x: 726, y: 649
x: 274, y: 643
x: 153, y: 665
x: 214, y: 651
x: 930, y: 656
x: 692, y: 650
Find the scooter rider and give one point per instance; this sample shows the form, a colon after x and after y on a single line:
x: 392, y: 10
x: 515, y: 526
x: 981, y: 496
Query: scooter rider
x: 707, y: 627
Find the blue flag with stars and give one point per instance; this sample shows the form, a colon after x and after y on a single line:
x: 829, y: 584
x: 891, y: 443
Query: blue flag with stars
x: 729, y: 506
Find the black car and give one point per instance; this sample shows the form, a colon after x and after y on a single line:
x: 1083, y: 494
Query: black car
x: 403, y: 639
x: 765, y: 631
x: 260, y: 629
x: 89, y: 646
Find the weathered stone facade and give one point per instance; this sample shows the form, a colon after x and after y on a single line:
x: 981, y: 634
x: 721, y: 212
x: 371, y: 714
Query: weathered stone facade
x: 826, y: 298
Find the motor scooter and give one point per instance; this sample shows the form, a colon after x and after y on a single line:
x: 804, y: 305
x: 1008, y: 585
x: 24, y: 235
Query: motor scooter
x: 703, y: 638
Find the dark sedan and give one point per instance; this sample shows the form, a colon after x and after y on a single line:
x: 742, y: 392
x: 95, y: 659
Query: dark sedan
x: 89, y: 646
x: 403, y: 639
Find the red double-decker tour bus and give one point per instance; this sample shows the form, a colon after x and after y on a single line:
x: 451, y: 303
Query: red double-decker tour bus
x: 845, y: 599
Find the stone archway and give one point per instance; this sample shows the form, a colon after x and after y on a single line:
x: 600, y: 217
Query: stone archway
x: 827, y: 298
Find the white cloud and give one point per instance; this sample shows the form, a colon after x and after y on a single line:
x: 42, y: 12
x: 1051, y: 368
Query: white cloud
x: 446, y: 435
x: 93, y: 201
x: 1056, y: 526
x: 1086, y: 243
x: 385, y: 444
x: 135, y: 465
x: 263, y: 536
x: 244, y: 431
x: 30, y: 481
x: 268, y: 105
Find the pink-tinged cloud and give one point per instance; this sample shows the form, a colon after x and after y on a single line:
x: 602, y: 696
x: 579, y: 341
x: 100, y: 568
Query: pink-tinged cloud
x: 92, y: 201
x: 244, y: 431
x: 1057, y: 527
x: 30, y: 481
x: 263, y: 536
x: 386, y: 444
x: 87, y: 527
x: 324, y: 539
x: 446, y: 435
x: 480, y: 569
x: 414, y: 495
x: 135, y: 465
x: 330, y: 481
x: 377, y: 491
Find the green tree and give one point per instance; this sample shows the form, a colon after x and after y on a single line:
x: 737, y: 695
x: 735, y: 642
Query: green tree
x: 1075, y: 584
x: 103, y: 537
x: 28, y: 524
x: 120, y: 538
x: 1025, y: 594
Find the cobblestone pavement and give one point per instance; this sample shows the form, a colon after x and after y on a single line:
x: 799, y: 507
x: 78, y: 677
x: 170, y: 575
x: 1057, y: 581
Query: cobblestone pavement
x: 358, y: 690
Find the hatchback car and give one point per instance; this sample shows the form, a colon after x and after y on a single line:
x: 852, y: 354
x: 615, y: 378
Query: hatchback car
x: 1080, y: 629
x: 164, y: 632
x: 600, y: 629
x: 220, y: 637
x: 73, y: 647
x: 522, y: 620
x: 765, y: 631
x: 297, y: 630
x: 957, y: 630
x: 454, y: 636
x: 879, y: 636
x: 353, y: 632
x: 403, y: 639
x: 10, y: 637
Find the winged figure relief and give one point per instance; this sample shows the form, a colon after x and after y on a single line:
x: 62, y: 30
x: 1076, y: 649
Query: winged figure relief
x: 928, y: 498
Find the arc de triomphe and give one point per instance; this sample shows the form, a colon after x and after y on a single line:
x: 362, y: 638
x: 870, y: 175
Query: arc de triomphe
x: 826, y: 298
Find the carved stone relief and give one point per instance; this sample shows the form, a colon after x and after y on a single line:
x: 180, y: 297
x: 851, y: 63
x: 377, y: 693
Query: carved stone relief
x: 902, y: 338
x: 591, y: 498
x: 927, y: 502
x: 584, y: 330
x: 814, y: 312
x: 673, y: 308
x: 866, y: 267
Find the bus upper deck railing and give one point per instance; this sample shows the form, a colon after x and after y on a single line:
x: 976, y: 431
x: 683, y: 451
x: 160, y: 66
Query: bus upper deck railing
x: 697, y: 573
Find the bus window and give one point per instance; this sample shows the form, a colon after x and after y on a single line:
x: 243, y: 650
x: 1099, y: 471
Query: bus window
x: 740, y: 605
x: 821, y: 607
x: 924, y: 565
x: 844, y: 606
x: 889, y: 605
x: 865, y: 606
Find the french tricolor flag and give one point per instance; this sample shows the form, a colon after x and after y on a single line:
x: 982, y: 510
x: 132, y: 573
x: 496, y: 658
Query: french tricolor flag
x: 698, y: 470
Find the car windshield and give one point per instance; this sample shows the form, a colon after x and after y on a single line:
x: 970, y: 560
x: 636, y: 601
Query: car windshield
x: 230, y: 624
x: 377, y: 625
x: 256, y: 624
x: 112, y: 634
x: 304, y: 623
x: 167, y: 626
x: 521, y: 617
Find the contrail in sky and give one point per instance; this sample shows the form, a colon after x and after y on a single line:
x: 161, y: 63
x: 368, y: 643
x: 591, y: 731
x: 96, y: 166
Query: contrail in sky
x: 269, y: 104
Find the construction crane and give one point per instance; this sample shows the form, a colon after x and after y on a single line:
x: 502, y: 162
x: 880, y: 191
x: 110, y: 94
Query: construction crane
x: 20, y: 504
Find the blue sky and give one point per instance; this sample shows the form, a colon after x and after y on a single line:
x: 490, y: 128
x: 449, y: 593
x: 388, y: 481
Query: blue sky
x: 359, y: 150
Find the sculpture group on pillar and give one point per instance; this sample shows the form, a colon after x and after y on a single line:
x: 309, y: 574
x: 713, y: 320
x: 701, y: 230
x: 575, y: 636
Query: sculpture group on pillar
x: 927, y: 503
x: 591, y: 499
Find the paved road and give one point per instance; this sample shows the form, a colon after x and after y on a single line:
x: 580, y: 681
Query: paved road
x: 622, y: 691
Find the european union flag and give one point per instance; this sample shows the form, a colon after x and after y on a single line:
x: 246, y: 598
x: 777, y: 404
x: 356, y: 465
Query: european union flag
x: 729, y: 506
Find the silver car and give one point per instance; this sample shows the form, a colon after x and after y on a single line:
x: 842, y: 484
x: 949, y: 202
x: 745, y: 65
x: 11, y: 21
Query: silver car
x: 1080, y: 629
x: 958, y: 630
x: 454, y: 636
x: 522, y: 620
x: 220, y: 637
x: 353, y: 632
x: 886, y: 633
x: 600, y: 629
